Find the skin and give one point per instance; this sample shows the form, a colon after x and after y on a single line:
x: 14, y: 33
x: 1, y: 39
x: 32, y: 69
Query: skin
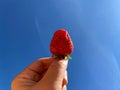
x: 43, y: 74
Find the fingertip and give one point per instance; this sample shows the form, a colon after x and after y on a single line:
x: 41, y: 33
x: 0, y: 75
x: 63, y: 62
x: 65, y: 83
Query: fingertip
x: 59, y: 64
x: 45, y: 58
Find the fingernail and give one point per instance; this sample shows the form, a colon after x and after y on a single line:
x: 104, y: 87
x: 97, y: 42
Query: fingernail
x: 65, y: 62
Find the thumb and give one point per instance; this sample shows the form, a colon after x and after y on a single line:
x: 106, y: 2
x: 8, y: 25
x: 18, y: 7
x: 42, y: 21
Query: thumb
x: 56, y: 72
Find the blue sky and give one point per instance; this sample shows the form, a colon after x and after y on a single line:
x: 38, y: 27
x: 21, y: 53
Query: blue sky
x: 26, y: 28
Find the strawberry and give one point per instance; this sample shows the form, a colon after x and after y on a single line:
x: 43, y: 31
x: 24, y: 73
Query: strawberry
x: 61, y: 44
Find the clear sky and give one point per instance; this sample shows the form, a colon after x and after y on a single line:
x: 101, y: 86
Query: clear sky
x: 26, y: 28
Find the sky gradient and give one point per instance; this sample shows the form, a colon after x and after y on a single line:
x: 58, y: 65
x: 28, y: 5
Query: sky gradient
x: 27, y: 26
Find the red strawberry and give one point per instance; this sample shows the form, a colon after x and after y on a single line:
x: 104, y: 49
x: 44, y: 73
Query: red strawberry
x: 61, y: 44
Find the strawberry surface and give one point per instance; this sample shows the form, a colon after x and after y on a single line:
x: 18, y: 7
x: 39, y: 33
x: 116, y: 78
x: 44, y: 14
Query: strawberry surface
x: 61, y: 43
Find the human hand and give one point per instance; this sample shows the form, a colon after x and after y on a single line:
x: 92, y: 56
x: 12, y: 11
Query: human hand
x: 43, y: 74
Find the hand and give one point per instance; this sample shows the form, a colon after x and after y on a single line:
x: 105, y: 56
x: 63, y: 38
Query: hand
x: 43, y: 74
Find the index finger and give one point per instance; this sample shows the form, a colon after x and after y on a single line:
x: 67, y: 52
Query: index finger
x: 41, y: 64
x: 36, y: 70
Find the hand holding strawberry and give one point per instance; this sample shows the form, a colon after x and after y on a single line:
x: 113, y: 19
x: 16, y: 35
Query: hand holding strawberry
x: 47, y: 73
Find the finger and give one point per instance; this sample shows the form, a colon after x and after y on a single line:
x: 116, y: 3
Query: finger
x: 36, y: 70
x: 64, y: 87
x: 65, y: 79
x: 56, y: 72
x: 40, y: 64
